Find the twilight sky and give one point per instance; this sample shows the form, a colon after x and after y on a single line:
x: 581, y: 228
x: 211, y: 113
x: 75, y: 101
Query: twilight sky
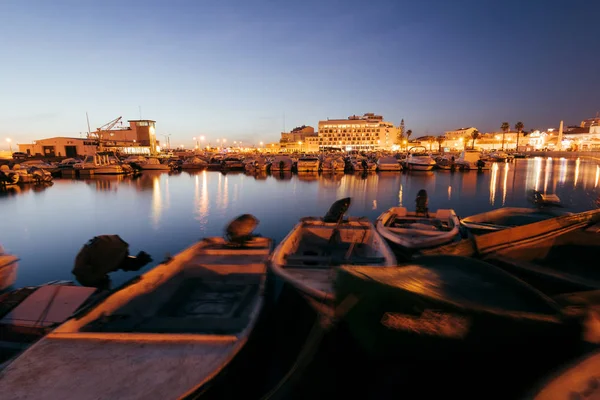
x: 233, y: 69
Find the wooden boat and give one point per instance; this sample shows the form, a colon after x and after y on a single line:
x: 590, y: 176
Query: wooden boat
x: 29, y: 313
x: 166, y: 335
x: 446, y: 304
x: 411, y: 230
x: 553, y: 255
x: 578, y: 380
x: 306, y: 257
x: 8, y: 269
x: 519, y: 236
x: 507, y: 217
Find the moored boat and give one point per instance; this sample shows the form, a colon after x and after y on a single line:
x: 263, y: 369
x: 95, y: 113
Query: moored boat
x: 308, y: 164
x: 102, y: 164
x: 577, y: 380
x: 194, y: 163
x: 154, y: 164
x: 306, y: 257
x: 167, y: 334
x: 281, y: 164
x: 447, y: 305
x: 553, y: 255
x: 419, y: 160
x: 412, y: 230
x: 388, y: 163
x: 471, y: 160
x: 8, y: 269
x: 506, y: 217
x: 29, y: 313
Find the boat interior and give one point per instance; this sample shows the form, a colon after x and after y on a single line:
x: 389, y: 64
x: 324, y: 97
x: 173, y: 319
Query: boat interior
x: 516, y: 217
x: 572, y: 253
x: 321, y: 246
x: 440, y: 221
x: 212, y: 292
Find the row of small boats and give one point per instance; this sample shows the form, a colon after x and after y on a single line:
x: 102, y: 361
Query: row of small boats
x: 196, y: 311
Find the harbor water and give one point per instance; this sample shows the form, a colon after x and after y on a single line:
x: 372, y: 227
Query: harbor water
x: 163, y: 213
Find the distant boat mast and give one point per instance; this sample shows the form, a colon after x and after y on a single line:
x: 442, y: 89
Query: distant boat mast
x: 88, y: 122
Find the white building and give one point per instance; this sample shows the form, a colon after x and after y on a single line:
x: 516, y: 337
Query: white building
x: 368, y: 132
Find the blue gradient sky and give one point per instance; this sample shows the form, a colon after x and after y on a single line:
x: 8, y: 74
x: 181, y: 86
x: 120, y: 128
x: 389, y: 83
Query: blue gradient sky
x: 232, y: 69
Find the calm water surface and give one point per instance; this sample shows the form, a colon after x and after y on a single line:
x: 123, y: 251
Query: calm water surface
x: 163, y: 213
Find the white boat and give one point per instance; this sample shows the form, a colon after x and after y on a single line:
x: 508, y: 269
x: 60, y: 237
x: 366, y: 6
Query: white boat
x: 307, y: 256
x: 419, y: 160
x: 388, y: 163
x: 101, y: 164
x: 281, y: 164
x: 8, y: 269
x: 153, y: 163
x: 499, y: 156
x: 308, y: 164
x: 52, y: 168
x: 166, y: 335
x: 407, y: 230
x: 29, y: 313
x: 194, y: 163
x: 471, y: 160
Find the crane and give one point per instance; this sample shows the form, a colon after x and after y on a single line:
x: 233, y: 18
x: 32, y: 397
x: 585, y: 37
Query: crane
x: 109, y: 125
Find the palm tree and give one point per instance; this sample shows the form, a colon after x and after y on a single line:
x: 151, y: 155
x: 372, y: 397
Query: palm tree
x: 408, y: 133
x: 505, y: 127
x: 440, y: 140
x: 519, y: 128
x: 474, y: 135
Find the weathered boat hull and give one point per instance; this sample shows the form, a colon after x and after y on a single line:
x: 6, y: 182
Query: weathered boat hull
x: 506, y: 217
x: 8, y: 270
x: 402, y: 311
x: 167, y: 334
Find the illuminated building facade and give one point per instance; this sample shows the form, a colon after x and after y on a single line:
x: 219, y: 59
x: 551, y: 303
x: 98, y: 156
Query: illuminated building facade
x: 368, y: 132
x: 297, y: 139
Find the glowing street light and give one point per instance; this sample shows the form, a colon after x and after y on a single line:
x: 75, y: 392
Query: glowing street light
x: 8, y: 140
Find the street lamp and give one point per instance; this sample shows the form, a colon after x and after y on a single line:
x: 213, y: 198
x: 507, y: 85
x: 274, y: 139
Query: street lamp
x: 9, y: 144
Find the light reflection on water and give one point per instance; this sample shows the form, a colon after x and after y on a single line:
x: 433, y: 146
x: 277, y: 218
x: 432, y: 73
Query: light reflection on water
x: 164, y: 213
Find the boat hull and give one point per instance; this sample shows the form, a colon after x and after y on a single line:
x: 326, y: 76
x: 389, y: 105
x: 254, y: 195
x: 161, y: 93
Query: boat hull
x: 8, y: 270
x: 420, y: 167
x: 389, y: 321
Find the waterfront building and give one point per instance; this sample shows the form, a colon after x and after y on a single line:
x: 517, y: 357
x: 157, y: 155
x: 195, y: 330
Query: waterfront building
x: 138, y: 138
x: 367, y: 132
x: 298, y: 139
x: 60, y: 147
x: 457, y: 139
